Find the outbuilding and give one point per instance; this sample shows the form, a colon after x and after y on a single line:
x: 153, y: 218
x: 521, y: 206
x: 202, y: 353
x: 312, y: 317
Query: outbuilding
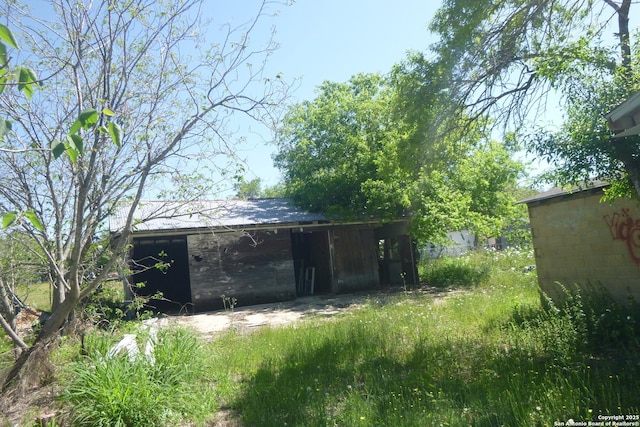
x: 205, y: 254
x: 580, y: 240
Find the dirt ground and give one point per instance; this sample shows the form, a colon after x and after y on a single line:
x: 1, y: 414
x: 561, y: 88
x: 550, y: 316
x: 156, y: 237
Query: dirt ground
x: 274, y: 314
x: 248, y: 318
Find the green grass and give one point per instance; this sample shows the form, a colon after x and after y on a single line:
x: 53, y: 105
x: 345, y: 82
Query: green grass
x: 118, y: 391
x: 488, y: 354
x: 36, y: 295
x: 486, y: 357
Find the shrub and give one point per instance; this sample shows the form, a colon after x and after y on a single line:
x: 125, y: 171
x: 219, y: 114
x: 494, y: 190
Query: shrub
x: 453, y: 271
x: 603, y: 323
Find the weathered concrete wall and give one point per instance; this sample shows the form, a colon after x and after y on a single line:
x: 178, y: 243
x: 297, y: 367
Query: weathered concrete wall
x: 254, y: 269
x: 579, y: 240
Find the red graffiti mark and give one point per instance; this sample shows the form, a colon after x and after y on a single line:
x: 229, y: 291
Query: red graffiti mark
x: 623, y: 227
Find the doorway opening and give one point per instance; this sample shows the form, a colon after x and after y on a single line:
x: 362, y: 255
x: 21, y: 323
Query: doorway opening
x: 312, y: 262
x: 161, y: 265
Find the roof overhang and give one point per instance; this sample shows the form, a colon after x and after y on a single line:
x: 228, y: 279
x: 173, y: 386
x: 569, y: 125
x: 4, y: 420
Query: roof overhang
x: 561, y: 193
x: 625, y: 118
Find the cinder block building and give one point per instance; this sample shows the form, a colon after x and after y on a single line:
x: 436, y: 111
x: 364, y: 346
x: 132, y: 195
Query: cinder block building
x: 580, y: 240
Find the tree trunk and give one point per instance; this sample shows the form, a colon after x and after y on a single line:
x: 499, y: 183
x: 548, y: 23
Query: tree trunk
x: 58, y: 293
x: 49, y: 329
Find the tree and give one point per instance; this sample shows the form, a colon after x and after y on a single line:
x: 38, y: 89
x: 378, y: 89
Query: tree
x: 135, y: 97
x: 20, y: 265
x: 360, y: 149
x: 329, y: 147
x: 22, y: 77
x: 503, y: 58
x: 248, y: 189
x: 253, y: 189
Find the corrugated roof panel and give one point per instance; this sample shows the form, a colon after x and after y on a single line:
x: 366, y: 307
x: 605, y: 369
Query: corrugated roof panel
x: 177, y: 215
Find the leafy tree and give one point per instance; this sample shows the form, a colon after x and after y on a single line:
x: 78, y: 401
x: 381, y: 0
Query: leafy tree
x: 253, y: 189
x: 273, y: 191
x: 360, y: 149
x: 503, y: 58
x: 248, y: 189
x: 136, y: 98
x: 330, y: 147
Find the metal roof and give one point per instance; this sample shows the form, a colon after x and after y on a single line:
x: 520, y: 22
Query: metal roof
x: 183, y: 215
x: 559, y: 191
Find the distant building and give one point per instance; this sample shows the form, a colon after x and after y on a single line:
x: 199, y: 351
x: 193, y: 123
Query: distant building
x: 460, y: 242
x: 258, y: 251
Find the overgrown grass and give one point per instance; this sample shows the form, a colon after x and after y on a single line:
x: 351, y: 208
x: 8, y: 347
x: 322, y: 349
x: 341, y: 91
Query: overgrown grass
x: 474, y: 268
x: 489, y: 354
x: 486, y: 357
x: 121, y: 391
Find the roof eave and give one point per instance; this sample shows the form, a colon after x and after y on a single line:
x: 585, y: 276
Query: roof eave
x: 625, y: 118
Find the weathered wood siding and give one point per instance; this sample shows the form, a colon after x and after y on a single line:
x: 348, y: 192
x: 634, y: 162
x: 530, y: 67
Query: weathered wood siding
x: 398, y: 266
x: 253, y: 269
x: 355, y: 259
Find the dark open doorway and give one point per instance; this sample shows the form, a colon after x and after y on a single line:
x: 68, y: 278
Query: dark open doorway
x: 162, y: 265
x: 312, y: 262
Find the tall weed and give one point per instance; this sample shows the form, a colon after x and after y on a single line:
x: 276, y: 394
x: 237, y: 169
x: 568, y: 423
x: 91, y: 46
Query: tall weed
x: 120, y: 391
x: 487, y: 356
x: 453, y: 272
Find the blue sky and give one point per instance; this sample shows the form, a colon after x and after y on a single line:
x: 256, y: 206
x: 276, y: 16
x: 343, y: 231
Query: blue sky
x: 331, y: 40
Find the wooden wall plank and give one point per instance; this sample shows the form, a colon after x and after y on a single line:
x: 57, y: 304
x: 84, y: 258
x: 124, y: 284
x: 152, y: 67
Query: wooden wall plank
x: 355, y: 259
x: 253, y: 268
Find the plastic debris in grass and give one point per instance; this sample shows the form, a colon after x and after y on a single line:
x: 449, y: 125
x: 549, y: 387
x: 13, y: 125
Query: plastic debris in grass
x: 129, y: 344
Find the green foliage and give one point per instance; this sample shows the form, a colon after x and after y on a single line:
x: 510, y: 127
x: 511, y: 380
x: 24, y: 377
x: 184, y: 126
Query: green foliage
x: 331, y: 146
x: 106, y: 308
x: 253, y: 189
x: 502, y: 59
x: 7, y: 36
x: 474, y: 268
x: 73, y: 144
x: 115, y: 391
x: 23, y: 77
x: 452, y: 272
x: 583, y: 147
x: 361, y: 150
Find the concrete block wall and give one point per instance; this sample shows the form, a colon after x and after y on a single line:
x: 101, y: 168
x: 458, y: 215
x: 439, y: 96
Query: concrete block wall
x: 579, y: 240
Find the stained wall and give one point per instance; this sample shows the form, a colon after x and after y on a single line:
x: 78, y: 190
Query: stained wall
x: 252, y: 267
x: 579, y: 240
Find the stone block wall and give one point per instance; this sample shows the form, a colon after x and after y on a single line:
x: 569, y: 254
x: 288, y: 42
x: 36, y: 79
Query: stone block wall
x: 579, y: 240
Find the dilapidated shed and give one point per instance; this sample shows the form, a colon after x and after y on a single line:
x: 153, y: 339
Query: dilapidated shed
x: 259, y: 250
x: 580, y: 240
